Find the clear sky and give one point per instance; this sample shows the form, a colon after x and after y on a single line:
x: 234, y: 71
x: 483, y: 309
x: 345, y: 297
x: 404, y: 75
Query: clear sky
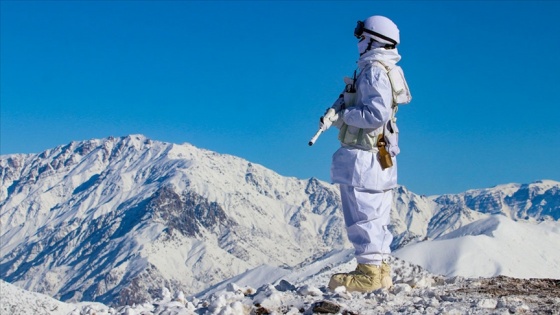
x: 251, y: 79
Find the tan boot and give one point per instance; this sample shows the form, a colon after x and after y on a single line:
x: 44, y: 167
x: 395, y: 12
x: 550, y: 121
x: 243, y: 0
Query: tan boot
x: 386, y: 280
x: 365, y: 278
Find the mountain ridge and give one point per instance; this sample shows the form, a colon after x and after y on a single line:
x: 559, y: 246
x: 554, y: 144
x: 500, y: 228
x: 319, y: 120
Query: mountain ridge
x: 111, y: 201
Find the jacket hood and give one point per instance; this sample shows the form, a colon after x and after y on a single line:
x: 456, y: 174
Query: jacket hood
x: 389, y: 57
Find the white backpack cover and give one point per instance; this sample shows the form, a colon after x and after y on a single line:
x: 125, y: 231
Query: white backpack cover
x: 401, y: 92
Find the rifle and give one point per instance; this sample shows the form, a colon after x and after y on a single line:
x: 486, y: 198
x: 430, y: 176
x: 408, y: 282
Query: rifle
x: 330, y: 117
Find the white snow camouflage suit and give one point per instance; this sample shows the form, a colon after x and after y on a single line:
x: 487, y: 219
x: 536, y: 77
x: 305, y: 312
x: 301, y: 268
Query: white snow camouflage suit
x: 364, y: 187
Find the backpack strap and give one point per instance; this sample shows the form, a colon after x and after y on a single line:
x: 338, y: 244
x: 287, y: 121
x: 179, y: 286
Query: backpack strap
x: 394, y: 106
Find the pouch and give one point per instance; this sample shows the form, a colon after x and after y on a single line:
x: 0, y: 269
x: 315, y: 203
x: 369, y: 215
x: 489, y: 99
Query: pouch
x: 349, y: 92
x: 392, y: 138
x: 385, y: 159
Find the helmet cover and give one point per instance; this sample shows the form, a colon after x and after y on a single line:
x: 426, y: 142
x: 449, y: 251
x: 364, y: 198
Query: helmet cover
x: 379, y: 28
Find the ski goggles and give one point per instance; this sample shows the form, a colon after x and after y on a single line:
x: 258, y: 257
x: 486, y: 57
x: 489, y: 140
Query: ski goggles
x: 361, y: 29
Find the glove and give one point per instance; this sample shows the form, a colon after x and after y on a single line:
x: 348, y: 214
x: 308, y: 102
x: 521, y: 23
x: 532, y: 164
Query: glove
x: 327, y: 120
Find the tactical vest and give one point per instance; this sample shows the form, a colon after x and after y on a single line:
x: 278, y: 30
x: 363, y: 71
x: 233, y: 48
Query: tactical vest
x: 366, y: 139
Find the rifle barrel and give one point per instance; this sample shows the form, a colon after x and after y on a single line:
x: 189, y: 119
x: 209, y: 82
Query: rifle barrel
x: 315, y: 137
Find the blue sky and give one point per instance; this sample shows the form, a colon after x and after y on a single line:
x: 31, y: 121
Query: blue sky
x: 251, y: 78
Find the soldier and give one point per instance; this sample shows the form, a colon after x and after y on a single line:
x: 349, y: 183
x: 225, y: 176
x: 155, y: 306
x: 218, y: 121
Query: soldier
x: 365, y: 165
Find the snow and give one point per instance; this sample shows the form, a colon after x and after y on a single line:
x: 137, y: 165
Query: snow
x: 415, y: 291
x: 14, y: 300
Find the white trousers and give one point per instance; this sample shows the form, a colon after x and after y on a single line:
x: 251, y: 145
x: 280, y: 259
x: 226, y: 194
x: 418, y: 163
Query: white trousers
x: 367, y: 215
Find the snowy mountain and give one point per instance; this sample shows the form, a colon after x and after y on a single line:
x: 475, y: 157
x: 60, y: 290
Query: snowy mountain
x: 114, y: 220
x: 418, y: 218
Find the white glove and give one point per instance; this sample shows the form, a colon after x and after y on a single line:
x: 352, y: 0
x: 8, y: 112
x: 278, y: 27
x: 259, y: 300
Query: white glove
x: 327, y: 120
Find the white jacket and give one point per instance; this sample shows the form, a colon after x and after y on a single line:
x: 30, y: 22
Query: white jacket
x: 360, y: 168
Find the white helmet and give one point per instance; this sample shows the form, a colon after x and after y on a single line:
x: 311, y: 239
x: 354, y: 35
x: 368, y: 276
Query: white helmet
x: 380, y: 29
